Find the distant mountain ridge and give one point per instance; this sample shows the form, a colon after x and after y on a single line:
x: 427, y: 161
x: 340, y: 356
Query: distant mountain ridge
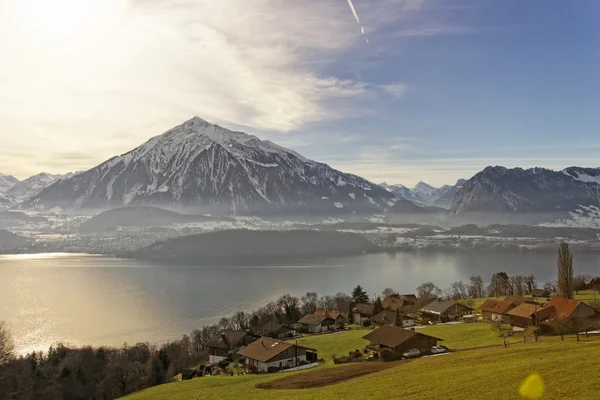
x: 7, y: 182
x: 426, y: 194
x: 522, y: 191
x: 201, y: 166
x: 26, y: 188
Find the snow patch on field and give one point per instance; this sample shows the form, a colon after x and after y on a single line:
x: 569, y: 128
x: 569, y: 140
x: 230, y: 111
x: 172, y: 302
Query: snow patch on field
x: 352, y: 195
x: 338, y: 205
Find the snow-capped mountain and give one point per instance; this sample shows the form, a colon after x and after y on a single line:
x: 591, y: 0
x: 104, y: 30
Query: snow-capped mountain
x: 198, y: 165
x: 32, y: 185
x: 426, y: 194
x: 535, y: 190
x: 403, y: 192
x: 6, y: 182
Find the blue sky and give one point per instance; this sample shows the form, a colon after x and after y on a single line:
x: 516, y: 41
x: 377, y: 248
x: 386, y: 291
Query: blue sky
x: 442, y: 89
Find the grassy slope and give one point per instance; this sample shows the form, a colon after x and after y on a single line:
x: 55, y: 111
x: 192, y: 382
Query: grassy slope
x: 568, y: 369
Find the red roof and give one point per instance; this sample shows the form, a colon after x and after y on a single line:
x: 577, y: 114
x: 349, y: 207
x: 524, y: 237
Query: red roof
x: 331, y: 314
x: 563, y: 307
x: 496, y: 306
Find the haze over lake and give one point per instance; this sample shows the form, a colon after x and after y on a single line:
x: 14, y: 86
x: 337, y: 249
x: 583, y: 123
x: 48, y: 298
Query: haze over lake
x: 82, y: 299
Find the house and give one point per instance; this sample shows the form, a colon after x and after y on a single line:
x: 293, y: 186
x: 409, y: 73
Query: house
x: 267, y: 355
x: 404, y: 303
x: 226, y: 343
x: 389, y: 317
x: 277, y: 330
x: 540, y: 293
x: 567, y: 315
x: 315, y: 324
x: 527, y: 314
x: 361, y: 311
x: 334, y: 315
x: 444, y: 311
x: 495, y: 310
x: 399, y: 340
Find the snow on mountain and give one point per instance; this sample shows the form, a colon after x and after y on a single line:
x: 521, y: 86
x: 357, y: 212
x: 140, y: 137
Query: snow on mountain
x: 7, y: 201
x: 199, y: 165
x: 403, y: 192
x: 6, y: 182
x: 424, y: 189
x: 32, y: 185
x: 582, y: 217
x: 426, y: 194
x: 535, y: 190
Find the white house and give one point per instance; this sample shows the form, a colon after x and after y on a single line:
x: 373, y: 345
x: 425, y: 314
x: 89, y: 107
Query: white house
x: 267, y: 355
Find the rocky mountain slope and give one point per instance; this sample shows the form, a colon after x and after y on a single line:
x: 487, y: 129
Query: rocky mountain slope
x: 26, y: 188
x: 528, y: 191
x: 204, y: 167
x: 7, y: 182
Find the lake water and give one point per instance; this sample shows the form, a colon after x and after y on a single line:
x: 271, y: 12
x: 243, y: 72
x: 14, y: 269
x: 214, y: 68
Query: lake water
x: 82, y: 299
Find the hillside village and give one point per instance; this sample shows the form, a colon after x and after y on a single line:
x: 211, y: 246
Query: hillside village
x: 393, y: 329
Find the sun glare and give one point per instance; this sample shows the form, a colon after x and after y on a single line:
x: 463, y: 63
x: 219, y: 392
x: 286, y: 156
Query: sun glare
x: 58, y: 17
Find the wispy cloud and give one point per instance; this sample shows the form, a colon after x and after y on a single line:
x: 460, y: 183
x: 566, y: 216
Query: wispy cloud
x: 396, y: 90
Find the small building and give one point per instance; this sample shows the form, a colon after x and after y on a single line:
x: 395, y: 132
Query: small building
x: 334, y: 315
x: 315, y: 324
x: 567, y: 315
x: 495, y: 310
x: 267, y: 355
x: 404, y: 303
x: 527, y: 314
x: 277, y: 330
x: 540, y: 293
x: 389, y: 317
x: 399, y: 340
x: 444, y: 311
x: 226, y: 343
x: 361, y: 311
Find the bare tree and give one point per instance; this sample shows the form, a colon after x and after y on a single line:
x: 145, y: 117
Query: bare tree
x: 518, y: 285
x: 326, y: 303
x: 6, y: 344
x: 476, y: 287
x: 499, y: 285
x: 530, y: 283
x: 388, y: 292
x: 309, y: 303
x: 428, y: 292
x: 342, y: 302
x: 565, y: 271
x: 459, y: 290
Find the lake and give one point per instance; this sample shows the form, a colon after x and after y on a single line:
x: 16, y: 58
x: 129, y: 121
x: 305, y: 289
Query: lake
x: 83, y: 299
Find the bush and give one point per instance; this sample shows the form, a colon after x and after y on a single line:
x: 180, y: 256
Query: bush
x: 303, y: 362
x: 376, y: 356
x: 253, y: 369
x: 386, y: 354
x: 366, y: 322
x: 290, y: 335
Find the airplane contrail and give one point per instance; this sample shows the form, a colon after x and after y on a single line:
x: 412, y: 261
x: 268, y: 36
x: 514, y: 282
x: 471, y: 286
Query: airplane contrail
x: 362, y: 29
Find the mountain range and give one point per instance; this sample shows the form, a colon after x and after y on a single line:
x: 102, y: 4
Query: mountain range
x: 538, y: 192
x: 203, y: 167
x: 426, y: 194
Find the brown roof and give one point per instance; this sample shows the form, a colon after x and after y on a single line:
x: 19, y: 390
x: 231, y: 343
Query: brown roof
x: 275, y: 327
x: 266, y: 348
x: 392, y: 336
x: 313, y: 319
x: 564, y: 307
x: 411, y: 298
x: 394, y: 302
x: 331, y: 314
x: 540, y: 293
x: 496, y: 306
x: 515, y: 299
x: 227, y: 339
x: 365, y: 309
x: 384, y: 317
x: 525, y: 310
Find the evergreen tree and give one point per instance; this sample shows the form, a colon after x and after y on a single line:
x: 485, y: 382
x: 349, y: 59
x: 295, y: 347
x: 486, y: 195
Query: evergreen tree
x: 359, y: 295
x: 377, y: 306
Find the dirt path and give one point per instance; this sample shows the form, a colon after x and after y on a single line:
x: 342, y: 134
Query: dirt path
x: 328, y: 376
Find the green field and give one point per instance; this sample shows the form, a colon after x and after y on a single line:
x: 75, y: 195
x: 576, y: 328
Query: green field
x: 569, y: 370
x: 464, y: 336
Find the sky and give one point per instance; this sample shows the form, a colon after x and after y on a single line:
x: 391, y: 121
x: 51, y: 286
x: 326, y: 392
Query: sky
x: 434, y: 90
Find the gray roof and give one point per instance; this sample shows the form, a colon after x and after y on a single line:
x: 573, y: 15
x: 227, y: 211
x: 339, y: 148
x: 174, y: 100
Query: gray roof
x: 275, y: 327
x: 439, y: 307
